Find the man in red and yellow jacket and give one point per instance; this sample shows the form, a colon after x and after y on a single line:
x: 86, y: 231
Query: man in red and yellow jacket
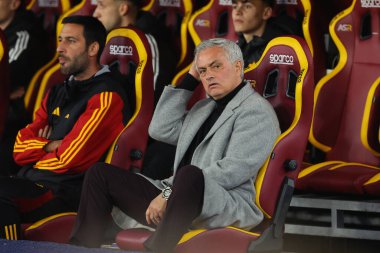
x: 75, y: 125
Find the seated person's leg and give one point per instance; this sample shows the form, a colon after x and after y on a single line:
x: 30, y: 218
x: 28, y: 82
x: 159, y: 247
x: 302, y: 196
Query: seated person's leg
x: 105, y: 186
x: 19, y: 197
x: 184, y: 205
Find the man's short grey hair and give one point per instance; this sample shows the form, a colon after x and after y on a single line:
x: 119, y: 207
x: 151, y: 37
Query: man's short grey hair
x: 233, y: 51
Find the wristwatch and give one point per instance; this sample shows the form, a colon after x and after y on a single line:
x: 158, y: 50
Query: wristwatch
x: 166, y: 192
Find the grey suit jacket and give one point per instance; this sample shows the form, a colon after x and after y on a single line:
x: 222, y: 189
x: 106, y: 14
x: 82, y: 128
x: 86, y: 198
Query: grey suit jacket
x: 230, y: 155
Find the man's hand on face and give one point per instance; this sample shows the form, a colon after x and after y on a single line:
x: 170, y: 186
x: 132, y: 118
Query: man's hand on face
x: 156, y: 210
x: 194, y: 72
x: 45, y: 133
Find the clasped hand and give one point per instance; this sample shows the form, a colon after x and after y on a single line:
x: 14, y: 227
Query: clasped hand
x: 156, y: 210
x: 45, y: 133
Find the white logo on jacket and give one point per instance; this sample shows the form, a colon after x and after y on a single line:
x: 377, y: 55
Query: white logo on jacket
x: 20, y: 45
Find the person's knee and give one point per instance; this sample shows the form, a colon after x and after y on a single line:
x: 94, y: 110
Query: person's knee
x: 95, y: 172
x: 189, y: 173
x: 101, y: 172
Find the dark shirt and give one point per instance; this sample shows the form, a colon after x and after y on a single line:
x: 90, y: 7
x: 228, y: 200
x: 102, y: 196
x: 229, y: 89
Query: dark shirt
x: 210, y: 121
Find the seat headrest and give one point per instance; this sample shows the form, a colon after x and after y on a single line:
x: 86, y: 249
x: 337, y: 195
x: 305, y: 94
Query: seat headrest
x: 359, y: 25
x: 278, y: 74
x: 212, y: 21
x: 355, y: 31
x: 175, y: 15
x: 49, y: 11
x: 127, y: 46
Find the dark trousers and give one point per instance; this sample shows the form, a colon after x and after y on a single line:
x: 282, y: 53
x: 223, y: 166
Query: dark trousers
x: 106, y: 185
x: 23, y: 201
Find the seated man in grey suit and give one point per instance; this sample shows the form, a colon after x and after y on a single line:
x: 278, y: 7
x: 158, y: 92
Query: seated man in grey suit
x: 222, y: 142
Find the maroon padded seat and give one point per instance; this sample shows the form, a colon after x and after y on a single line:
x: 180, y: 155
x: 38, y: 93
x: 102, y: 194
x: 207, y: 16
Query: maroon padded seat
x: 175, y: 15
x: 345, y: 123
x: 4, y: 83
x: 131, y: 47
x: 274, y: 183
x: 55, y: 228
x: 41, y: 83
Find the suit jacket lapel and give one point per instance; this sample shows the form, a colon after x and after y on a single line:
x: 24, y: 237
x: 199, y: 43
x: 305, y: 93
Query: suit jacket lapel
x: 191, y: 126
x: 229, y: 110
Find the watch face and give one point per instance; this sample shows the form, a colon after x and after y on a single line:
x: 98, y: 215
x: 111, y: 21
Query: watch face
x: 166, y: 192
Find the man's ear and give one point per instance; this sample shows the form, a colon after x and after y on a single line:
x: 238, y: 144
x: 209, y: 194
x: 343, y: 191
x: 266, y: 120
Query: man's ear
x: 93, y: 49
x: 267, y: 13
x: 123, y: 8
x: 15, y: 4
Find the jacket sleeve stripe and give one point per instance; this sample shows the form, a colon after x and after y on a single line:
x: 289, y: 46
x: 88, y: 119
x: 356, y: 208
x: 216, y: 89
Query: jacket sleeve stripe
x: 77, y: 144
x: 21, y: 146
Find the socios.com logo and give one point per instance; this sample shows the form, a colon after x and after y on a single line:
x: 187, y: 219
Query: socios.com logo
x: 281, y: 59
x: 121, y: 50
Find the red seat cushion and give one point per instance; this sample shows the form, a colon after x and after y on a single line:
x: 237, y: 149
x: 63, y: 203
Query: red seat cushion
x: 56, y: 228
x: 208, y: 241
x: 336, y: 177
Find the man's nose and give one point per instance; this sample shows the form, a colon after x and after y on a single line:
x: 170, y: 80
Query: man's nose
x: 59, y: 47
x: 209, y: 76
x: 96, y: 13
x: 238, y: 8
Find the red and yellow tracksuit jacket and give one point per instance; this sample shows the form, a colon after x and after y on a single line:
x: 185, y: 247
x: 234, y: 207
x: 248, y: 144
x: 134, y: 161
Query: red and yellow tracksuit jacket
x: 86, y: 115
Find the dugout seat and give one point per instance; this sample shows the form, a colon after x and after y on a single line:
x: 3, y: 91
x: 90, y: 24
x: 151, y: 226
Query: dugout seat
x: 345, y: 121
x: 4, y: 83
x: 136, y: 64
x: 128, y: 53
x: 307, y: 16
x: 284, y: 75
x: 48, y: 75
x: 176, y: 15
